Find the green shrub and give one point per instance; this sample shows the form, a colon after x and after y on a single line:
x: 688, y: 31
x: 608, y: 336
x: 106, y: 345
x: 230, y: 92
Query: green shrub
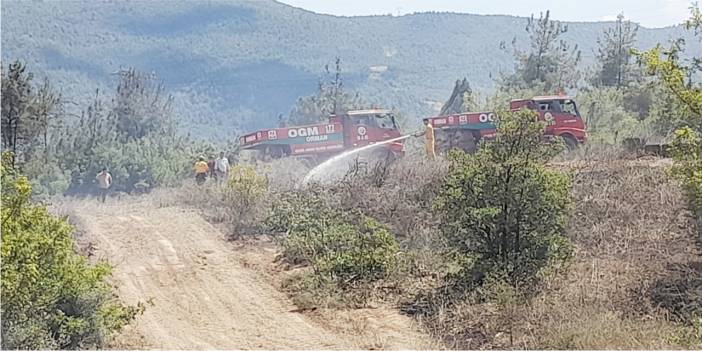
x: 47, y: 179
x: 305, y: 215
x: 503, y: 211
x: 242, y: 194
x: 245, y: 184
x: 311, y: 291
x: 689, y: 336
x: 607, y: 117
x: 363, y: 252
x: 347, y: 248
x: 51, y: 297
x: 687, y: 151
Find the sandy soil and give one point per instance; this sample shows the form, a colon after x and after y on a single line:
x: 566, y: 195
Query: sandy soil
x: 199, y: 294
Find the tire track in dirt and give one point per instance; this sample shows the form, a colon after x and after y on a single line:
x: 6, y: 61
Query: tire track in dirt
x: 201, y: 296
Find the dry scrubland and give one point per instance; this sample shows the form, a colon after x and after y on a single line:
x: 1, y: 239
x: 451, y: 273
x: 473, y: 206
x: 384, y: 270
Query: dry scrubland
x: 634, y: 276
x: 636, y: 247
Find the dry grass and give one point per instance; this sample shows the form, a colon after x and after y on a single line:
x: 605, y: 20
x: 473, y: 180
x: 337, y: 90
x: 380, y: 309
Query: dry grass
x: 635, y: 274
x: 630, y: 226
x: 209, y: 200
x: 634, y: 238
x: 595, y: 152
x: 375, y: 328
x: 398, y: 194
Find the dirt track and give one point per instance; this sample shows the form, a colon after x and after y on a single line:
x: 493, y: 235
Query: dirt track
x: 200, y: 294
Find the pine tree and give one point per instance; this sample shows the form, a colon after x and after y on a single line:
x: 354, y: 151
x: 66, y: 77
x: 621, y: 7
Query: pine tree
x: 27, y: 111
x: 550, y: 62
x: 512, y: 207
x: 614, y: 54
x: 674, y: 74
x: 331, y: 98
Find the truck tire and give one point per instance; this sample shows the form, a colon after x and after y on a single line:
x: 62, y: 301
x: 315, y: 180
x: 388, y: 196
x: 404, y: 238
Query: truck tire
x: 570, y: 142
x: 275, y: 152
x: 456, y: 139
x: 442, y: 140
x: 466, y: 141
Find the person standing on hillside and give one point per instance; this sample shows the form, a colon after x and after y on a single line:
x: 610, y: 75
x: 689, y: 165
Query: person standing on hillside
x: 222, y: 168
x: 200, y: 169
x: 429, y: 140
x: 211, y: 166
x: 104, y: 182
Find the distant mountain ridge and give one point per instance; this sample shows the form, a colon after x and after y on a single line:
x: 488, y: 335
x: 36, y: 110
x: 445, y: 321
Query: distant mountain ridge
x: 238, y: 64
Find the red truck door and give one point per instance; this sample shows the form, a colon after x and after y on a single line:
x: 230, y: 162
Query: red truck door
x: 366, y: 128
x: 562, y: 119
x: 358, y: 130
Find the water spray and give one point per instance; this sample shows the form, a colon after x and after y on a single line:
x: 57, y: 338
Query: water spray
x: 324, y: 166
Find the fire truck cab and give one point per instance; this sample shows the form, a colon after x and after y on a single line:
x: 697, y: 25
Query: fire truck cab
x: 561, y: 115
x: 465, y: 130
x: 364, y: 127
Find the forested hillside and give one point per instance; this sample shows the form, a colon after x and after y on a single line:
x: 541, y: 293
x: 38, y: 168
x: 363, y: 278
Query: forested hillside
x: 239, y: 64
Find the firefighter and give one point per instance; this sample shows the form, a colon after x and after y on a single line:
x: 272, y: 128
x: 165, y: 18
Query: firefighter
x: 200, y: 169
x: 429, y: 140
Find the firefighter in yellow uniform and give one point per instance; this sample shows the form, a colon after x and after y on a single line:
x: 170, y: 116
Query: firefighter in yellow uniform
x: 200, y: 169
x: 429, y: 141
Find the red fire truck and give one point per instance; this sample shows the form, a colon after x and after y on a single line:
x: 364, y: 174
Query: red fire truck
x: 464, y: 130
x: 356, y: 129
x: 350, y: 130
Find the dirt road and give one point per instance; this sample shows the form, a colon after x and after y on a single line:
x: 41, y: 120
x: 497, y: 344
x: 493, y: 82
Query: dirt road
x: 199, y: 293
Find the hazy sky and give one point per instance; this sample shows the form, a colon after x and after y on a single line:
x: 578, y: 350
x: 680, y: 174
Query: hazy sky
x: 649, y: 13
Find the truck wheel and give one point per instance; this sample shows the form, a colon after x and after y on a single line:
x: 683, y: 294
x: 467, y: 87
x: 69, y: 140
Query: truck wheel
x: 444, y: 141
x: 454, y: 139
x: 275, y: 152
x: 570, y: 142
x: 466, y: 141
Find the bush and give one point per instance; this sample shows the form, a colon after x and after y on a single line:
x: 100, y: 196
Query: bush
x: 237, y: 203
x: 689, y: 336
x: 245, y: 185
x: 47, y: 179
x: 362, y: 252
x: 242, y: 192
x: 51, y: 297
x: 608, y: 120
x: 503, y: 212
x: 681, y: 291
x: 300, y: 213
x: 687, y: 151
x: 347, y: 248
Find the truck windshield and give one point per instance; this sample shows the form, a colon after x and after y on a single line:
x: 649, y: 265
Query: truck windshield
x: 551, y: 105
x: 569, y: 107
x: 384, y: 121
